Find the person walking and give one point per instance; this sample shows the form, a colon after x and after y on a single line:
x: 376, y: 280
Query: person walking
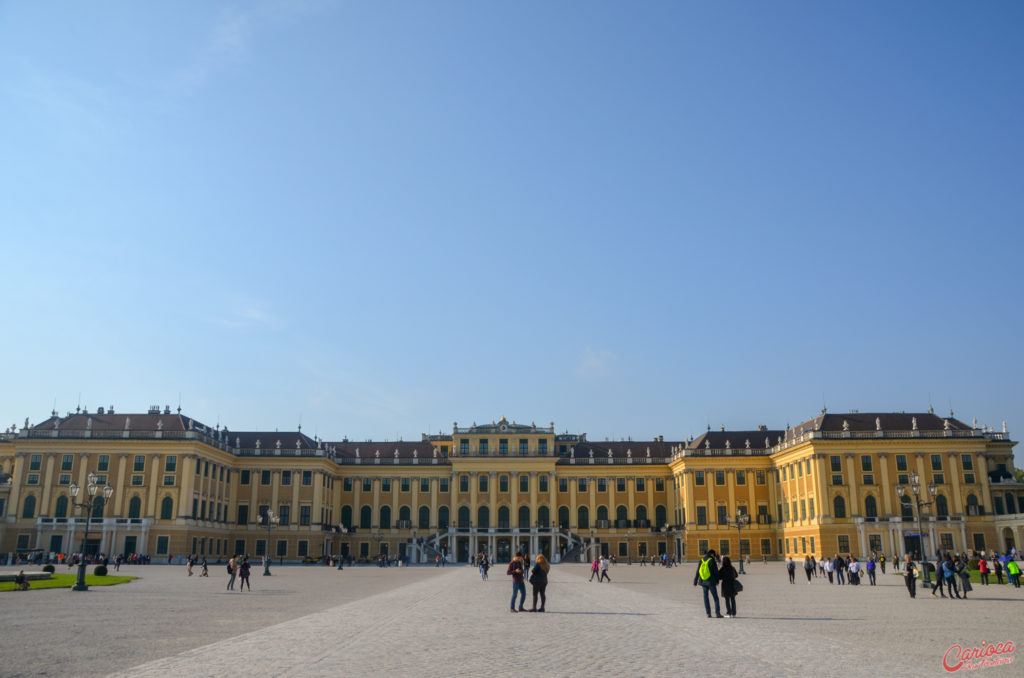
x: 1013, y: 571
x: 515, y: 570
x: 870, y: 567
x: 595, y: 568
x: 983, y: 569
x: 191, y: 562
x: 949, y: 577
x: 539, y: 582
x: 604, y: 571
x: 998, y: 566
x: 840, y: 567
x: 206, y: 571
x: 910, y: 576
x: 243, y: 575
x: 808, y: 568
x: 881, y: 562
x: 232, y: 572
x: 707, y: 579
x: 964, y: 575
x: 829, y: 567
x: 727, y: 574
x: 791, y: 569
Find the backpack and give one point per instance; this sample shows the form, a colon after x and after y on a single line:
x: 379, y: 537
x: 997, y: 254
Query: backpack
x: 705, y: 569
x: 229, y: 568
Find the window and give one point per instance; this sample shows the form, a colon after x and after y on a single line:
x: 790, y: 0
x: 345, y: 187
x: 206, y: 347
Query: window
x: 702, y: 518
x: 503, y: 483
x: 524, y: 482
x: 61, y: 510
x: 810, y: 507
x: 659, y: 484
x: 166, y: 508
x: 307, y: 478
x: 839, y: 510
x: 901, y: 462
x: 463, y: 483
x: 424, y: 484
x: 385, y: 484
x: 104, y: 463
x: 346, y: 485
x: 946, y: 540
x: 766, y: 547
x: 137, y: 480
x: 602, y: 484
x: 367, y: 484
x: 170, y: 463
x: 620, y: 484
x: 405, y: 484
x: 206, y: 470
x: 723, y: 547
x: 941, y: 507
x: 969, y: 479
x: 783, y: 470
x: 741, y: 478
x: 719, y: 477
x: 305, y: 514
x: 503, y: 447
x: 28, y: 509
x: 936, y: 462
x: 939, y: 478
x: 837, y: 463
x: 967, y: 461
x: 265, y: 478
x: 799, y: 470
x: 837, y: 479
x: 286, y: 477
x: 243, y: 478
x: 67, y: 462
x: 698, y: 477
x: 35, y: 462
x: 844, y: 543
x: 543, y: 482
x: 365, y: 517
x: 284, y: 513
x: 902, y: 478
x: 33, y: 479
x: 444, y: 485
x: 803, y: 544
x: 483, y: 447
x: 865, y: 462
x: 563, y: 484
x: 702, y: 546
x: 282, y: 548
x: 64, y: 479
x: 803, y: 510
x: 640, y: 485
x: 871, y: 509
x: 723, y: 515
x: 761, y: 479
x: 581, y: 484
x: 140, y: 463
x: 463, y: 446
x: 424, y: 518
x: 542, y: 446
x: 303, y: 548
x: 135, y: 508
x: 243, y: 514
x: 979, y: 541
x: 482, y: 482
x: 868, y: 478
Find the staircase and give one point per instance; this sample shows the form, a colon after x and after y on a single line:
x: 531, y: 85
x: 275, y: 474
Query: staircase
x: 576, y: 546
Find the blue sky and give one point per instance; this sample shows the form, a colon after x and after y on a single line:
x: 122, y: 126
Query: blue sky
x: 633, y: 219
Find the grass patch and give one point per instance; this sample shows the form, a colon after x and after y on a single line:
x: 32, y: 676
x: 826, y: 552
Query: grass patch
x: 66, y: 581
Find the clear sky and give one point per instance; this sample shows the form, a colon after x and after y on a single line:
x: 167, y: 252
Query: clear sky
x: 633, y: 219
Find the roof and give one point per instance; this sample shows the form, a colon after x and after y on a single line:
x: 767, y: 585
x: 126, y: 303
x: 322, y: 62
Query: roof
x: 881, y: 421
x: 758, y: 439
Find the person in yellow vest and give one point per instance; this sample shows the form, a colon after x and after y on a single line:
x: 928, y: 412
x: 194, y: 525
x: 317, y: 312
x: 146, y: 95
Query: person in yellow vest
x: 707, y: 579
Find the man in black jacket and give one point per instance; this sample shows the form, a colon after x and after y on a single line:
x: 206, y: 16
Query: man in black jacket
x: 707, y: 578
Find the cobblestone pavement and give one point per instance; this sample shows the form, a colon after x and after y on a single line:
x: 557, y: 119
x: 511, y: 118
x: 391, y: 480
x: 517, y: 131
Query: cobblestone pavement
x: 425, y: 621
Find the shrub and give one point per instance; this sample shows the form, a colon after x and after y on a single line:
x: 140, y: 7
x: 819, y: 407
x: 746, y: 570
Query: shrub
x: 48, y: 568
x: 100, y: 571
x: 972, y: 564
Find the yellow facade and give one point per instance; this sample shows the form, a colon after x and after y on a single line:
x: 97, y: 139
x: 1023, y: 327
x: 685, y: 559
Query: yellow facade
x: 824, y: 487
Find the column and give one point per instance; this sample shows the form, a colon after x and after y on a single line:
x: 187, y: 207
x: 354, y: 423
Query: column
x: 121, y: 486
x: 44, y: 503
x: 951, y: 476
x: 553, y: 499
x: 375, y: 514
x: 188, y: 478
x: 357, y: 489
x: 824, y: 507
x: 851, y: 470
x: 296, y: 509
x: 473, y: 494
x: 631, y: 498
x: 414, y: 510
x: 986, y: 490
x: 862, y: 538
x: 318, y: 501
x: 434, y: 483
x: 688, y: 499
x: 887, y: 489
x: 573, y: 514
x: 154, y: 485
x: 18, y: 481
x: 533, y: 498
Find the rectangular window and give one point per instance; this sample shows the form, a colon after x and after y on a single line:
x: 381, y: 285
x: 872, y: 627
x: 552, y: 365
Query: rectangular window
x: 67, y: 462
x: 936, y: 462
x: 243, y: 477
x: 104, y: 463
x: 286, y: 477
x: 444, y: 484
x: 305, y: 514
x: 702, y: 518
x: 483, y: 447
x: 659, y: 484
x: 837, y: 479
x: 803, y: 544
x: 503, y: 447
x: 424, y: 484
x: 799, y: 470
x: 741, y: 478
x: 542, y: 446
x: 346, y: 485
x: 170, y: 463
x: 563, y: 484
x: 785, y: 512
x: 463, y: 446
x: 967, y: 461
x: 405, y: 484
x: 482, y: 482
x: 137, y: 480
x: 367, y: 484
x: 874, y: 543
x: 168, y: 481
x: 810, y: 507
x: 265, y: 478
x: 783, y: 471
x: 524, y: 482
x: 543, y: 482
x: 698, y: 477
x: 385, y: 484
x: 307, y: 478
x: 285, y: 514
x: 206, y: 469
x: 803, y: 510
x: 946, y: 539
x: 702, y: 546
x: 865, y: 462
x: 761, y: 479
x: 766, y: 547
x: 33, y: 479
x: 162, y: 545
x: 723, y: 515
x: 868, y: 478
x: 503, y: 483
x: 463, y: 483
x: 968, y: 478
x: 901, y: 462
x: 902, y: 478
x: 836, y: 463
x: 939, y: 478
x: 640, y: 486
x: 524, y: 447
x: 602, y: 484
x: 795, y: 514
x: 620, y: 484
x: 243, y: 514
x: 581, y: 484
x: 979, y: 541
x: 282, y: 548
x: 35, y: 462
x: 303, y: 548
x: 723, y: 547
x: 844, y: 543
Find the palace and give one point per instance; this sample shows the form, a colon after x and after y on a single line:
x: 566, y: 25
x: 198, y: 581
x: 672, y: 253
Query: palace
x: 828, y: 485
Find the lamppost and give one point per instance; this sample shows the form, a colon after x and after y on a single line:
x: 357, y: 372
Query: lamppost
x: 667, y: 533
x: 915, y: 489
x: 742, y: 520
x: 270, y: 519
x: 342, y: 531
x: 91, y: 489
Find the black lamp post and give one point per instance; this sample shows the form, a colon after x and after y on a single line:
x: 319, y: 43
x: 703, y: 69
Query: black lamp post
x: 92, y: 489
x: 271, y: 520
x: 915, y: 489
x: 742, y: 520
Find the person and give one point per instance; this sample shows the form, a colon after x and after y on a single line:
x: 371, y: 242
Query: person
x: 829, y: 567
x: 515, y: 569
x: 999, y: 571
x: 604, y: 571
x: 1013, y: 571
x: 910, y: 576
x: 206, y: 571
x: 870, y: 567
x: 964, y: 575
x: 949, y: 577
x: 854, y: 571
x: 840, y: 567
x: 539, y: 582
x: 791, y: 569
x: 21, y: 581
x: 983, y: 569
x: 707, y: 579
x: 191, y: 561
x: 808, y: 568
x: 232, y: 572
x: 595, y: 567
x: 881, y: 563
x: 243, y: 574
x: 727, y: 574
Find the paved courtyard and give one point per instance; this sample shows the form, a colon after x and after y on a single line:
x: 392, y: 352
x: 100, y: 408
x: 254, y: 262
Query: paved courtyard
x: 426, y: 621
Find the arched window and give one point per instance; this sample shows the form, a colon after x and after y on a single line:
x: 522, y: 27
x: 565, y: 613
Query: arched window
x: 483, y: 517
x: 641, y: 515
x: 463, y: 517
x: 385, y: 517
x: 167, y: 509
x: 583, y: 518
x: 365, y: 517
x: 524, y: 517
x: 870, y: 507
x: 660, y: 517
x: 563, y: 517
x: 443, y: 518
x: 972, y: 505
x: 62, y: 507
x: 941, y: 506
x: 346, y: 516
x: 97, y: 508
x: 504, y: 517
x: 1011, y: 504
x: 544, y: 516
x: 135, y: 508
x: 621, y: 516
x: 906, y: 507
x: 838, y: 507
x: 424, y: 523
x: 602, y: 513
x: 28, y: 509
x: 404, y: 516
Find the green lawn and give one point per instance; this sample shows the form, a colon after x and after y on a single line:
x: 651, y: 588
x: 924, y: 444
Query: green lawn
x: 66, y: 581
